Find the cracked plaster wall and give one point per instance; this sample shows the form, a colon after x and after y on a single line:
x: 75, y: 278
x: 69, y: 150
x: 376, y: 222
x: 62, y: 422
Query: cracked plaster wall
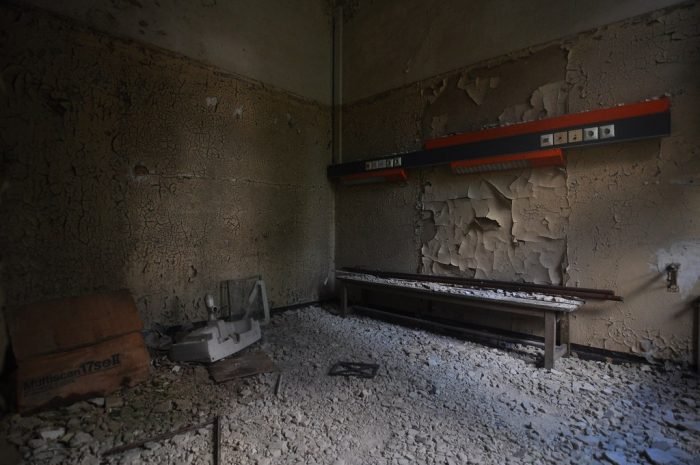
x: 132, y: 167
x: 612, y: 219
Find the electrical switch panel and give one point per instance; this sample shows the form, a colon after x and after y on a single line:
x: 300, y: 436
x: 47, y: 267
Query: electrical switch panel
x: 382, y: 164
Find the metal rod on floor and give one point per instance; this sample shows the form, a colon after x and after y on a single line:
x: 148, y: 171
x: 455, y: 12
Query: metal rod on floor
x: 278, y: 384
x: 216, y: 422
x: 217, y: 440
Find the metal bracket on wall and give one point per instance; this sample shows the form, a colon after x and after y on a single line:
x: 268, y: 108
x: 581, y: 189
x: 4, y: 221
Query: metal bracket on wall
x: 672, y: 277
x: 494, y: 148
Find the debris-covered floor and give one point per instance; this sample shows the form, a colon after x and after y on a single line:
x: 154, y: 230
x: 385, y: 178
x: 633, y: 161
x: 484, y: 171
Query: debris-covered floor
x: 435, y: 400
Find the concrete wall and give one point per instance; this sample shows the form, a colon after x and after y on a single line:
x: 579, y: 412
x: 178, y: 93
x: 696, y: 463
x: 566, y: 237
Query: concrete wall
x: 391, y: 43
x: 127, y: 166
x: 283, y: 44
x: 614, y: 218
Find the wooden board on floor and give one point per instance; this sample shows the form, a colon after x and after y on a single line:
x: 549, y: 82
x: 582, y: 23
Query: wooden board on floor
x: 66, y: 324
x: 249, y: 364
x: 91, y: 371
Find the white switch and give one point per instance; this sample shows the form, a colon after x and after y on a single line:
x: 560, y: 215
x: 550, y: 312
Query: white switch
x: 546, y: 140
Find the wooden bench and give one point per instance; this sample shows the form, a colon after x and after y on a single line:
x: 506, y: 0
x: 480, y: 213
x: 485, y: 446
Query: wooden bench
x: 554, y: 310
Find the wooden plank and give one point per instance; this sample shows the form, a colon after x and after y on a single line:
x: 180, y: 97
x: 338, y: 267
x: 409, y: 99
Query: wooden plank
x: 561, y: 304
x: 469, y: 303
x: 551, y: 289
x: 248, y: 364
x: 65, y: 324
x: 90, y: 371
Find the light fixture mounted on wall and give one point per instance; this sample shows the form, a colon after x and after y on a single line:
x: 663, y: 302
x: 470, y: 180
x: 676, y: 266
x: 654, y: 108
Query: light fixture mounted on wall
x: 536, y: 159
x: 374, y: 177
x: 528, y: 144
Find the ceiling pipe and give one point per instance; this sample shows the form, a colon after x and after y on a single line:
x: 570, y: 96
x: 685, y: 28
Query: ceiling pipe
x: 337, y: 97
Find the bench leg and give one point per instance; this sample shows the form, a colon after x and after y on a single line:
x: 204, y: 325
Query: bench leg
x: 550, y: 339
x: 344, y: 299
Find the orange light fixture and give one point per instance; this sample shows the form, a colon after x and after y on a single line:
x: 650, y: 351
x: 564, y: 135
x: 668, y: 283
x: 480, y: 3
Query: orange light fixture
x: 372, y: 177
x: 538, y: 158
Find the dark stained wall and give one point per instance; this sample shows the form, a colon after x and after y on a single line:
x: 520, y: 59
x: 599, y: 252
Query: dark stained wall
x: 126, y: 166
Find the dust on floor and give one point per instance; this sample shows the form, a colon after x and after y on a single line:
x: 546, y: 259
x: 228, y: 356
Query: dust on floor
x: 435, y: 400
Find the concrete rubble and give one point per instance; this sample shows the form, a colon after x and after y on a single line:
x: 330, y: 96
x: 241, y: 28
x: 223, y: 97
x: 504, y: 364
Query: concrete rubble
x: 435, y: 400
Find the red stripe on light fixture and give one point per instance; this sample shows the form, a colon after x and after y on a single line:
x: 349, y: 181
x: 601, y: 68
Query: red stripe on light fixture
x: 632, y: 110
x: 370, y: 177
x: 538, y: 158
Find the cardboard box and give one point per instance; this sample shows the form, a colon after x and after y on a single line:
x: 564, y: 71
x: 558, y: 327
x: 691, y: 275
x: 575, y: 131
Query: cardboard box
x: 65, y: 324
x: 90, y: 371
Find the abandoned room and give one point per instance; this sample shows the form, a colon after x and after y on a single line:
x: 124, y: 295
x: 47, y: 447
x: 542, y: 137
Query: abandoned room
x: 349, y: 232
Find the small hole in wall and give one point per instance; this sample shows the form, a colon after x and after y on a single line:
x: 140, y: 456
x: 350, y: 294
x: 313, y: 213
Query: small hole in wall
x: 140, y: 170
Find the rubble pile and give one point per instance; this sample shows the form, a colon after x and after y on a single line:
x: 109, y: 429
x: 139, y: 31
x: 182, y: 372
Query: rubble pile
x: 435, y: 400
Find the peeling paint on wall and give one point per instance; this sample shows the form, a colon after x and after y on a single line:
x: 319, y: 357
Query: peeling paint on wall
x: 610, y: 220
x: 498, y: 226
x: 432, y: 93
x: 509, y: 90
x: 546, y: 101
x: 477, y: 88
x: 619, y: 330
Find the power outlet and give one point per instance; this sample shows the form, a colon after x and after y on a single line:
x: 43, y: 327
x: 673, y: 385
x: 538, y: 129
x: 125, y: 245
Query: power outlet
x: 560, y: 138
x: 607, y: 131
x: 575, y: 135
x: 590, y: 134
